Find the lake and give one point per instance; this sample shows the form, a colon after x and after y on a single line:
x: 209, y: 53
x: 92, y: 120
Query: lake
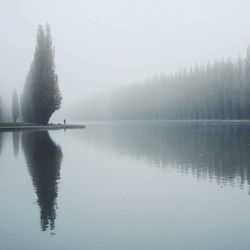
x: 126, y: 185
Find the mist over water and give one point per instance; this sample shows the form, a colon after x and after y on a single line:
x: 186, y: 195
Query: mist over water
x: 164, y: 159
x: 126, y: 185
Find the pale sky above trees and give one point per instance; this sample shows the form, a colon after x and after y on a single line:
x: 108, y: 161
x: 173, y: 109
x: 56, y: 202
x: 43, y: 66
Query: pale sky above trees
x: 108, y: 43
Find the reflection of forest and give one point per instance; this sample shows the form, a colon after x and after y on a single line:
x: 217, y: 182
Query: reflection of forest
x: 1, y: 141
x: 16, y: 141
x: 220, y: 152
x: 43, y: 158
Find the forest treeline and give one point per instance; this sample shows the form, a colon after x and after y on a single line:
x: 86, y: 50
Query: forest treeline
x: 220, y: 90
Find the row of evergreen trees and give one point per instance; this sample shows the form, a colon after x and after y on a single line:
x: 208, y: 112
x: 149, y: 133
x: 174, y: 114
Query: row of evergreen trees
x: 41, y: 95
x: 214, y: 91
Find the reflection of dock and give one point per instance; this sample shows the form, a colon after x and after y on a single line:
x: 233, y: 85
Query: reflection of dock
x: 31, y: 126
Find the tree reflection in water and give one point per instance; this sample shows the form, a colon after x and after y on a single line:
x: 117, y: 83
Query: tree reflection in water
x: 208, y: 151
x: 1, y: 141
x: 16, y: 141
x: 43, y: 159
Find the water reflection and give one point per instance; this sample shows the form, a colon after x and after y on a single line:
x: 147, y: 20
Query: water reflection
x: 16, y: 142
x: 43, y: 159
x: 1, y: 141
x: 212, y: 152
x: 215, y: 152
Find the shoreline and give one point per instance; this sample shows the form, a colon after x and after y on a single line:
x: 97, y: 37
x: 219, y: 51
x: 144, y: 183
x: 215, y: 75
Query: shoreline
x: 11, y: 126
x: 19, y: 126
x: 205, y: 121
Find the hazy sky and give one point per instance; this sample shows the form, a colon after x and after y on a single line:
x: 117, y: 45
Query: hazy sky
x: 101, y: 43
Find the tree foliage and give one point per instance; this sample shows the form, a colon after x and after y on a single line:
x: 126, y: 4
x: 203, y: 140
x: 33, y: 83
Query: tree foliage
x: 41, y: 95
x: 213, y: 91
x: 15, y: 106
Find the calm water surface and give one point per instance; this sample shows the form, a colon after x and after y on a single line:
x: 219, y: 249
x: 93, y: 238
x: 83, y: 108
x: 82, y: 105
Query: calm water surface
x: 131, y: 185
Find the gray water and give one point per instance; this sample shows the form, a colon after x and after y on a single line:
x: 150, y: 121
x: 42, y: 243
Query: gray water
x: 126, y: 185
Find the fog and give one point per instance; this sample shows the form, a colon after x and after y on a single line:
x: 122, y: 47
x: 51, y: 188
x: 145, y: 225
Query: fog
x: 105, y: 44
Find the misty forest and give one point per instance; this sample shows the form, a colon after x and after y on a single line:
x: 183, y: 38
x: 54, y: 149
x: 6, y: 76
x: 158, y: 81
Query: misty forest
x: 216, y: 91
x: 219, y: 90
x: 125, y: 125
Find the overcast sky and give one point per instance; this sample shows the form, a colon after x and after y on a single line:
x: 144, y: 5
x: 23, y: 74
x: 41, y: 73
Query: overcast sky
x: 103, y: 43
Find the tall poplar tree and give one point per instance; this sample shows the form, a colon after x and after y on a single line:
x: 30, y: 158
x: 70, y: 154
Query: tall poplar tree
x: 41, y: 95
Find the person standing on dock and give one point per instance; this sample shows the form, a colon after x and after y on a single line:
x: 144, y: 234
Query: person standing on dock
x: 64, y: 121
